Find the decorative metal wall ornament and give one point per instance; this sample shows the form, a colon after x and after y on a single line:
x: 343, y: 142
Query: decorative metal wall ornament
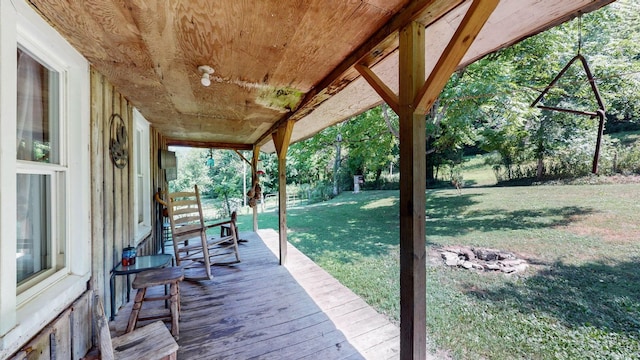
x: 118, y: 143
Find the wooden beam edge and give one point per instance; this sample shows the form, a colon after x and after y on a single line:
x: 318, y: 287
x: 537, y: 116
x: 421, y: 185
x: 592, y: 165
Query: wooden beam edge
x: 242, y: 156
x: 473, y: 21
x: 282, y: 137
x: 379, y: 86
x: 209, y: 144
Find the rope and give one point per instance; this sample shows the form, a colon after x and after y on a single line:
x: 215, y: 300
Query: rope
x: 579, y: 33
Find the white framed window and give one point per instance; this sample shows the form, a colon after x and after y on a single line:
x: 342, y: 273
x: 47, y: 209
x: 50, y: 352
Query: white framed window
x: 142, y: 179
x: 41, y: 171
x: 45, y: 220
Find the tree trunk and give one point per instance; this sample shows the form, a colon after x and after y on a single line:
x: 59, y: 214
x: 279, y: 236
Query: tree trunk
x: 385, y: 114
x: 336, y: 168
x: 540, y: 169
x: 430, y: 163
x: 378, y: 174
x: 226, y: 200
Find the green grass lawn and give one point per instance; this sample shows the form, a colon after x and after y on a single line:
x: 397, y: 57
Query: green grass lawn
x: 579, y: 299
x: 476, y: 173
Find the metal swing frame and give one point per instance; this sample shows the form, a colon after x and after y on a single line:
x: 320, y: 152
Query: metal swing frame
x: 600, y: 113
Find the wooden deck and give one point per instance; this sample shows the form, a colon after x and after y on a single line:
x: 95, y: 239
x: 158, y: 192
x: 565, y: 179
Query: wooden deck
x: 258, y: 309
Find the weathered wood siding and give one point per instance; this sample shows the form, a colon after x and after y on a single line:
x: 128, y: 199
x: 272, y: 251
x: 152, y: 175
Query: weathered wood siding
x: 158, y: 183
x: 112, y: 189
x: 66, y: 337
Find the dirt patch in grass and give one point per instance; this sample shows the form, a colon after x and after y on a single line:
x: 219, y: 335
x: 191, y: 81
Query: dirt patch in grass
x: 594, y: 180
x: 600, y: 226
x: 622, y: 237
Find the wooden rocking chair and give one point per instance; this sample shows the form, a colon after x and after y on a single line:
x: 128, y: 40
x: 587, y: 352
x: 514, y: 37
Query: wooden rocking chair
x: 192, y: 246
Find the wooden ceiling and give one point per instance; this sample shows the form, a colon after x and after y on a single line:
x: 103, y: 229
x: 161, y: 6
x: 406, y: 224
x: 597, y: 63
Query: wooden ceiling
x: 273, y: 60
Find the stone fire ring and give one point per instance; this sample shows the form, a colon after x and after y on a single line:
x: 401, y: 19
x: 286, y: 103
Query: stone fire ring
x: 482, y: 259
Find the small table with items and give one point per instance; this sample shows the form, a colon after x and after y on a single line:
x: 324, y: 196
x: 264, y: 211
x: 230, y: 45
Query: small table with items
x: 142, y: 263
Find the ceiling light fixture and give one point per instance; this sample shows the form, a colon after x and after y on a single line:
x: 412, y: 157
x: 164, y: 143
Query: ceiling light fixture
x: 206, y: 71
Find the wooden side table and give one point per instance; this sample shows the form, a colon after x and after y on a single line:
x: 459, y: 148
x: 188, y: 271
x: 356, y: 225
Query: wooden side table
x: 142, y: 263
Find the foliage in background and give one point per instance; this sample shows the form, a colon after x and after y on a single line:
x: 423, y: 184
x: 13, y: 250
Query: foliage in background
x: 192, y: 170
x: 222, y: 182
x: 487, y: 103
x: 368, y: 148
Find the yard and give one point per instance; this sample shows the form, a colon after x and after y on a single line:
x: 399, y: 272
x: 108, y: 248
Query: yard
x: 578, y: 299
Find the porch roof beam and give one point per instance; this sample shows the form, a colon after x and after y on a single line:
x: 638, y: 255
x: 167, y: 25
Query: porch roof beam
x: 209, y: 145
x: 242, y: 156
x: 255, y: 181
x: 380, y: 87
x: 382, y: 43
x: 281, y: 139
x: 411, y: 65
x: 473, y: 21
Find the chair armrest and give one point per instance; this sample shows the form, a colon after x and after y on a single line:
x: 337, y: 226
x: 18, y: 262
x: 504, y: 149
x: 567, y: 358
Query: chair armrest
x: 208, y: 226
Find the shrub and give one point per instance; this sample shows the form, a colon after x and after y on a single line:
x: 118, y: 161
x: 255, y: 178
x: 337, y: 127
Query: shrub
x: 627, y: 160
x: 321, y: 192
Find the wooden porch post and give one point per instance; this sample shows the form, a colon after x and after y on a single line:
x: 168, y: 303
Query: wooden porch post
x: 412, y: 195
x: 413, y: 102
x: 254, y: 178
x: 281, y: 139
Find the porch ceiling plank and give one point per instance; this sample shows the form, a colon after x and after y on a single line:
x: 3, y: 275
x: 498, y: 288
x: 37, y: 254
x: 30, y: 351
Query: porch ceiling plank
x: 150, y: 51
x: 154, y: 22
x: 475, y: 18
x: 274, y: 61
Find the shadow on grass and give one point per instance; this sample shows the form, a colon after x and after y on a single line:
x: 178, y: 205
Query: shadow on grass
x: 448, y: 216
x: 347, y: 229
x: 470, y: 183
x: 353, y: 226
x: 595, y: 295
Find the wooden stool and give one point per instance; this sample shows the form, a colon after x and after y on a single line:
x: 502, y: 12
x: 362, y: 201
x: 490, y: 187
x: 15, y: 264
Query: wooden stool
x: 156, y: 277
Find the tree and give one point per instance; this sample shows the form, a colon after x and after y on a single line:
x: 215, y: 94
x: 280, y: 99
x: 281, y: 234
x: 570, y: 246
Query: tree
x: 527, y: 67
x: 370, y: 142
x: 226, y: 178
x: 192, y: 170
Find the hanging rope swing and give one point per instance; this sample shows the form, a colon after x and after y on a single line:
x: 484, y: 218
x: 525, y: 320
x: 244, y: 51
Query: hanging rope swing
x: 600, y: 112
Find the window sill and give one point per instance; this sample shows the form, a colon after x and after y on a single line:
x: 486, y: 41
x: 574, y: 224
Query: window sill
x: 36, y: 313
x: 142, y: 232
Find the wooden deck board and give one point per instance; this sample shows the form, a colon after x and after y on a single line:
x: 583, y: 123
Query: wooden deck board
x: 258, y: 309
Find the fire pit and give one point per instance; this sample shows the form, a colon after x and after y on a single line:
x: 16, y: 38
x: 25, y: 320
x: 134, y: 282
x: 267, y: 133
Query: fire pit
x: 482, y: 259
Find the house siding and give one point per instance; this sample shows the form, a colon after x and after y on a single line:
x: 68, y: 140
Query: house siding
x: 112, y: 199
x: 69, y: 336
